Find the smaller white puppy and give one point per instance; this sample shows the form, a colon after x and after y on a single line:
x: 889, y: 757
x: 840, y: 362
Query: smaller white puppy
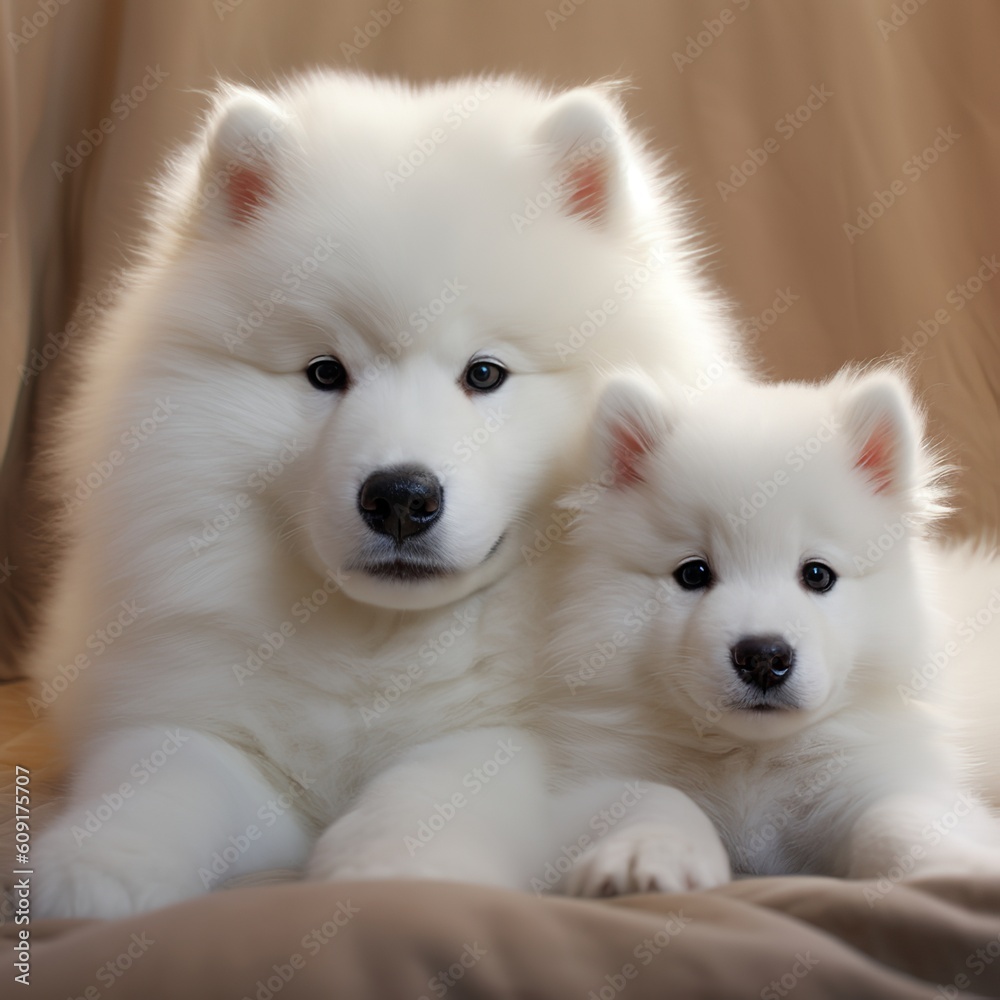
x: 751, y: 596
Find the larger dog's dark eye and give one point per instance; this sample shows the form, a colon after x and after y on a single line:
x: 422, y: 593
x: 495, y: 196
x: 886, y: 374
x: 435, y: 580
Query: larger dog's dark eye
x: 693, y: 574
x: 818, y: 576
x: 484, y: 376
x: 326, y: 373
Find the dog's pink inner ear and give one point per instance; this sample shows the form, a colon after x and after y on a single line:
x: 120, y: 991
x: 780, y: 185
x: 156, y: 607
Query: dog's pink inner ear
x: 878, y: 457
x: 248, y: 189
x: 628, y: 449
x: 588, y: 184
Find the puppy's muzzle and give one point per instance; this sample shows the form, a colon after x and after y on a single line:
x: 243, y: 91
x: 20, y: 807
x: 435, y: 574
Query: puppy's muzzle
x: 401, y: 501
x: 763, y: 661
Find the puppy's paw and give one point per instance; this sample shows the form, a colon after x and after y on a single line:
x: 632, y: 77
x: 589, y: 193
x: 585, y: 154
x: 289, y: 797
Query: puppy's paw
x: 105, y: 875
x: 648, y: 857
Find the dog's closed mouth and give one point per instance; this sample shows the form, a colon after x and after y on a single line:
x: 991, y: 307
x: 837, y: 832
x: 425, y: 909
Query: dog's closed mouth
x: 404, y: 571
x: 413, y: 570
x: 763, y: 707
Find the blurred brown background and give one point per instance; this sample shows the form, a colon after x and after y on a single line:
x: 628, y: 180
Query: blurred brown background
x: 843, y: 160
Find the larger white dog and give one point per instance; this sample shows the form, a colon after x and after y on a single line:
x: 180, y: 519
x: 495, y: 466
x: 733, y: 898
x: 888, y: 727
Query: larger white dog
x: 309, y: 472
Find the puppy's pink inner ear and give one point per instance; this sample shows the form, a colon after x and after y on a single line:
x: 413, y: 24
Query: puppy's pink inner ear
x: 628, y: 450
x: 248, y: 189
x: 588, y: 189
x: 878, y: 458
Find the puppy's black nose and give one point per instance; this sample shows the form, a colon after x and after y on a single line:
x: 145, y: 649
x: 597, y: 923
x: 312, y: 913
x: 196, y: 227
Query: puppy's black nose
x: 401, y: 501
x: 763, y: 660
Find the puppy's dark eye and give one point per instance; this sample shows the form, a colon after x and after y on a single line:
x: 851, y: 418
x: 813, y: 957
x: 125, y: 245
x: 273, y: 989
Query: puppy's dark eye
x: 326, y: 373
x: 818, y: 576
x: 484, y: 376
x: 693, y: 574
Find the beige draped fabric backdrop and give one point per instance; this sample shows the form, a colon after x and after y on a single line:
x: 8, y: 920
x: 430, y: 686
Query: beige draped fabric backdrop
x: 843, y: 157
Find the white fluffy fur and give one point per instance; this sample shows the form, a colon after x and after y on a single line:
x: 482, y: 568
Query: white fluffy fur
x: 856, y: 769
x: 291, y: 746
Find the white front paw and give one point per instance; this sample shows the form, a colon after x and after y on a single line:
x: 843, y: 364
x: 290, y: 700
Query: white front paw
x: 107, y: 875
x: 648, y: 857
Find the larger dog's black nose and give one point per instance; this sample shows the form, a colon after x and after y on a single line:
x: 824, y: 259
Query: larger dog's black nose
x: 401, y: 501
x: 763, y: 660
